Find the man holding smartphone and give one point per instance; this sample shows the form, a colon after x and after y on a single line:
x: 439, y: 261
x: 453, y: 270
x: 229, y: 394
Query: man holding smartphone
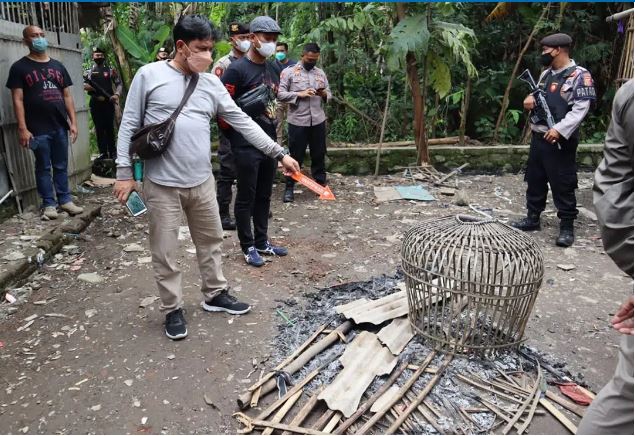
x: 306, y: 89
x: 180, y: 181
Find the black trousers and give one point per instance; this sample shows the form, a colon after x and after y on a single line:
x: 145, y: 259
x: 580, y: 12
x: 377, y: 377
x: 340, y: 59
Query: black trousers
x: 103, y: 115
x: 226, y: 175
x: 255, y: 172
x: 315, y: 138
x: 547, y: 164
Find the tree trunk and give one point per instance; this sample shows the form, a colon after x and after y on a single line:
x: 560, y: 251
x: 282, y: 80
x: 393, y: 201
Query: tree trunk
x: 383, y: 125
x: 464, y: 109
x: 110, y: 24
x: 433, y: 123
x: 505, y: 102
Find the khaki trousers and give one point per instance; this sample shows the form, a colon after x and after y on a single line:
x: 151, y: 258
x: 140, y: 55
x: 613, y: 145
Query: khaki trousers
x: 166, y: 206
x: 612, y: 410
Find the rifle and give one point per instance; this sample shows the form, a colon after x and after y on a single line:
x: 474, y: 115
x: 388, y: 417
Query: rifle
x: 105, y: 94
x: 541, y: 111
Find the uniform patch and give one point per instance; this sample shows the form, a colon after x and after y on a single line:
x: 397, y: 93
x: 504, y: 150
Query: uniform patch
x: 587, y: 79
x: 218, y: 71
x: 106, y: 74
x: 553, y: 87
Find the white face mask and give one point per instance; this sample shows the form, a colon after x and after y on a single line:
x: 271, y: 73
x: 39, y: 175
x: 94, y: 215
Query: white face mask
x: 243, y: 46
x: 267, y: 48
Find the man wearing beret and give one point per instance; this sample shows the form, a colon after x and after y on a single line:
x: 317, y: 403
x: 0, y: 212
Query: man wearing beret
x: 239, y: 40
x: 569, y: 92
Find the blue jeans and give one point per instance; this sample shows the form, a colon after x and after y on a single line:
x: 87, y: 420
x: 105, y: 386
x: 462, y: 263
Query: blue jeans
x: 51, y: 150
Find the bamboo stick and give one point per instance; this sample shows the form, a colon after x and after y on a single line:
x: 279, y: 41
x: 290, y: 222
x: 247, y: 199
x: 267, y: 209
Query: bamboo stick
x: 530, y: 415
x: 485, y: 388
x: 324, y: 419
x: 451, y: 173
x: 304, y: 411
x: 251, y: 423
x: 569, y: 405
x: 422, y: 394
x: 525, y: 403
x: 286, y: 361
x: 558, y: 415
x: 280, y: 414
x: 332, y: 423
x: 377, y: 416
x: 299, y: 362
x: 427, y: 415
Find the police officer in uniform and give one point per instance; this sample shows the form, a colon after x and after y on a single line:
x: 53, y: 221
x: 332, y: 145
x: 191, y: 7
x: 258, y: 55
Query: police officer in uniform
x: 162, y: 54
x: 239, y: 39
x: 102, y: 102
x: 569, y: 92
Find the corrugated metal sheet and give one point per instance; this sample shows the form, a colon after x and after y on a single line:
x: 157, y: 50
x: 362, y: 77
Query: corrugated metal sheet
x: 364, y: 359
x: 376, y: 311
x: 65, y: 47
x: 396, y: 335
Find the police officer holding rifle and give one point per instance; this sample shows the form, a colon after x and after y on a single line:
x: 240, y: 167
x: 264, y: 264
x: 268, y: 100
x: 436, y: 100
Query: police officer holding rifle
x: 558, y: 104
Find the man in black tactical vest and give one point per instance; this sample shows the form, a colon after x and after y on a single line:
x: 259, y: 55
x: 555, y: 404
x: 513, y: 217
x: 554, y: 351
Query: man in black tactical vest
x: 569, y: 92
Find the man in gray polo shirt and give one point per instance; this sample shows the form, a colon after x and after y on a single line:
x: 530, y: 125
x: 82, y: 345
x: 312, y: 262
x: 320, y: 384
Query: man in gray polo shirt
x: 180, y: 181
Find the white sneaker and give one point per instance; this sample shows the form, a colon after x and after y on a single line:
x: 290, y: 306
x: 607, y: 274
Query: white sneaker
x: 49, y: 213
x: 71, y: 208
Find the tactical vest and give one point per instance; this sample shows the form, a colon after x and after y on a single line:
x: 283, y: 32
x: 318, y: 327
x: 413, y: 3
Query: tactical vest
x: 558, y: 106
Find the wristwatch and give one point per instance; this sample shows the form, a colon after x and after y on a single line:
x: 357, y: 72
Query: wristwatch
x: 282, y: 154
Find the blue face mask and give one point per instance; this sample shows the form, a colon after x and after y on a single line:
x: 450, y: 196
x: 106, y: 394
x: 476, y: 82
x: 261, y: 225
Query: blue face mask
x: 281, y: 56
x: 39, y: 44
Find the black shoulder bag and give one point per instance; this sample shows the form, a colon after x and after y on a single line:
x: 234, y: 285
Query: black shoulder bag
x: 255, y: 101
x: 153, y: 140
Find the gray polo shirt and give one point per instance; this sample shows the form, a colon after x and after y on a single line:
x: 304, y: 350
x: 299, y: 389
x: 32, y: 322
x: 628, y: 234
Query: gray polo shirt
x: 307, y: 111
x: 579, y: 107
x: 155, y: 93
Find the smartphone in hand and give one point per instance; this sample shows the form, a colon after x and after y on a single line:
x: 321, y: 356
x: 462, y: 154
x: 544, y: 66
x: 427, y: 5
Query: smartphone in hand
x: 135, y: 204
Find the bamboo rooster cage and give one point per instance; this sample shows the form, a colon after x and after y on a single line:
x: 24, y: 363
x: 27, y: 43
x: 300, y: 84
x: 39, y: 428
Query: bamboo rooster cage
x: 471, y: 283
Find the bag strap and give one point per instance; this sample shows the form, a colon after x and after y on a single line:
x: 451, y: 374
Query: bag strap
x: 188, y: 92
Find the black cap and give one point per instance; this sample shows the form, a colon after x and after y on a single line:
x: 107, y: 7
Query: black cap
x: 557, y: 40
x: 238, y: 29
x: 162, y: 49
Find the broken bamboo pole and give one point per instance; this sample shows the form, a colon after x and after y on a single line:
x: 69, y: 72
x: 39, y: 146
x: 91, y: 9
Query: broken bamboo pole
x: 490, y: 390
x: 369, y: 403
x: 451, y: 173
x: 286, y: 361
x: 299, y: 362
x: 272, y: 408
x: 530, y: 415
x: 428, y: 416
x: 501, y: 413
x: 525, y: 403
x: 420, y: 397
x: 324, y: 419
x: 280, y: 414
x: 250, y: 424
x: 569, y: 405
x: 558, y: 415
x: 305, y: 411
x: 415, y: 376
x: 332, y: 423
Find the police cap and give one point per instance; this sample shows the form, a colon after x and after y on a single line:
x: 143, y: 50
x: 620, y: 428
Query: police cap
x: 264, y: 24
x: 237, y: 29
x: 557, y: 40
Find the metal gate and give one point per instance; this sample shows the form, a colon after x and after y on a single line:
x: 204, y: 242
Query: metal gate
x: 60, y: 22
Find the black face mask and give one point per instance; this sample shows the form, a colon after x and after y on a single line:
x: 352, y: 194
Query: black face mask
x: 99, y: 61
x: 308, y: 65
x: 545, y: 59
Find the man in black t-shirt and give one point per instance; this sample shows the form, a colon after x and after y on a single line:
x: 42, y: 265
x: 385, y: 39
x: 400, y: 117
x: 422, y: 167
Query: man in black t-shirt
x: 254, y: 169
x: 101, y: 80
x: 45, y: 112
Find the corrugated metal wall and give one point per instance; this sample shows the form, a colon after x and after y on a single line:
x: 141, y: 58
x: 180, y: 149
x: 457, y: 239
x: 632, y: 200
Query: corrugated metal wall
x: 59, y: 20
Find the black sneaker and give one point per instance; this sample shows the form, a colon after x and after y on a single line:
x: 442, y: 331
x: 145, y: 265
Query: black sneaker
x: 175, y: 325
x: 227, y: 223
x: 224, y: 302
x: 287, y: 197
x: 527, y: 224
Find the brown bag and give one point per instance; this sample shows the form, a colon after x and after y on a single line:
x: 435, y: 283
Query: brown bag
x: 153, y: 140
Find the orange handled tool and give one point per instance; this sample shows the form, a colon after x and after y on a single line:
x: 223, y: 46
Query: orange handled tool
x: 324, y: 192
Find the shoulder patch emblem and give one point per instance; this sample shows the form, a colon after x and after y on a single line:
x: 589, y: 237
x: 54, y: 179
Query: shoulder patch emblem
x: 553, y: 87
x: 587, y: 79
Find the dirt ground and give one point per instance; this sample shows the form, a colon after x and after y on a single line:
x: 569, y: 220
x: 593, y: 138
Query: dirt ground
x: 94, y: 361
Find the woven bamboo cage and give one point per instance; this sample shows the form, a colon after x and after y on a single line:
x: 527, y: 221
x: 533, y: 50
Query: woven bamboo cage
x: 471, y: 283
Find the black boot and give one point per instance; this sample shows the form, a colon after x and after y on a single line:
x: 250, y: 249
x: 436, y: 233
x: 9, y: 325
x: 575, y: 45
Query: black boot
x: 566, y: 236
x: 288, y: 195
x: 227, y: 223
x: 529, y: 223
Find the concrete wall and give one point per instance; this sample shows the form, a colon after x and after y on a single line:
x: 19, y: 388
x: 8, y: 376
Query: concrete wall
x: 64, y: 47
x: 487, y: 159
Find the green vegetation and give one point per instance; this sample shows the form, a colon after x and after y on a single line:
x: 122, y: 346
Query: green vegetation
x: 449, y: 63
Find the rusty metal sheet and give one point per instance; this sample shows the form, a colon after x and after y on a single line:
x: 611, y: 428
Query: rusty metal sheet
x: 376, y: 311
x: 396, y: 335
x: 364, y: 359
